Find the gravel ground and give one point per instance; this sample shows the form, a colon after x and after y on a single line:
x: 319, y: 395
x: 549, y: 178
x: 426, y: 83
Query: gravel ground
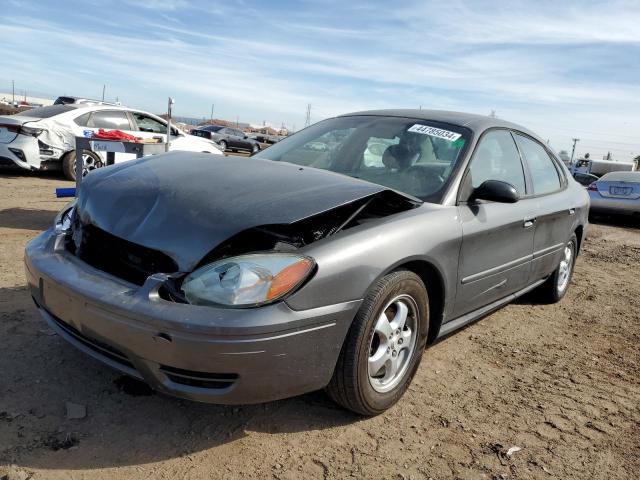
x: 561, y: 382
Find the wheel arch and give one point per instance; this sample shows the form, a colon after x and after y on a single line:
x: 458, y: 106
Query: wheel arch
x: 434, y: 283
x: 579, y: 231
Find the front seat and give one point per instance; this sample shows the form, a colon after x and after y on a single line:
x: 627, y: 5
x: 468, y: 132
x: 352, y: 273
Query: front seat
x: 399, y: 159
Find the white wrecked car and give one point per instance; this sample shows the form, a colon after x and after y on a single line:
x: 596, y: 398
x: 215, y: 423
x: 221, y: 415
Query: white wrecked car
x: 44, y: 138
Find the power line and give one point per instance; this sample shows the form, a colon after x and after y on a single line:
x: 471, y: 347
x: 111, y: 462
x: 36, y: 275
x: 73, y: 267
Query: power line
x: 307, y: 121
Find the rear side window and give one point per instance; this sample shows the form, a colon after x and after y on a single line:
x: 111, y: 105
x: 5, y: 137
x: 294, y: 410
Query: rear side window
x: 110, y: 120
x: 544, y: 173
x: 83, y: 120
x: 496, y: 158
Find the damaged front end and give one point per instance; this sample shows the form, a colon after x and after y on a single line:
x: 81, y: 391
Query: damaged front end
x: 257, y: 266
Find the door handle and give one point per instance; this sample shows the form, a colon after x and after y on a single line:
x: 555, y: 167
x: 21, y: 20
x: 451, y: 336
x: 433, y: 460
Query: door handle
x: 529, y: 222
x: 572, y: 211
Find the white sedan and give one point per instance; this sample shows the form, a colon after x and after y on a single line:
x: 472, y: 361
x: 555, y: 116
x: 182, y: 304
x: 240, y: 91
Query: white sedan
x: 44, y: 138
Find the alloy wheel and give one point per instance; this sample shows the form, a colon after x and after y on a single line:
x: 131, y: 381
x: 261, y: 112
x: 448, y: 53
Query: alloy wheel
x: 392, y: 343
x: 564, y: 269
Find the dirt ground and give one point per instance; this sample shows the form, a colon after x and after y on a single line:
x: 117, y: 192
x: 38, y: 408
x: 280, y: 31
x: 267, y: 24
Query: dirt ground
x: 561, y: 382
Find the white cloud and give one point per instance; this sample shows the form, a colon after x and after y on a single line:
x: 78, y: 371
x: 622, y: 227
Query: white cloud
x: 559, y: 66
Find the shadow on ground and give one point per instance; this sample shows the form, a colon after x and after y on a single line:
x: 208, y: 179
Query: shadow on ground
x: 26, y: 218
x: 126, y: 423
x: 17, y: 172
x: 624, y: 221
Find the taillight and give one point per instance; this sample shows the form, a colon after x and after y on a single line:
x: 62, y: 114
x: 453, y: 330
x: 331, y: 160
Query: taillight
x: 592, y: 187
x: 34, y: 132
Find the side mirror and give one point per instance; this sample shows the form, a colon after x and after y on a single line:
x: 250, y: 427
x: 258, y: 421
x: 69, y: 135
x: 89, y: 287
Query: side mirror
x: 496, y: 191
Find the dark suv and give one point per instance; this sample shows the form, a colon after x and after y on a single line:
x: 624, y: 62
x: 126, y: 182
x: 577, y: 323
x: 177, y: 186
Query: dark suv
x: 228, y: 138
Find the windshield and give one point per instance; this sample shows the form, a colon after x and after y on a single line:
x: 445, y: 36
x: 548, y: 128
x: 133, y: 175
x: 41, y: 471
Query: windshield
x: 409, y: 155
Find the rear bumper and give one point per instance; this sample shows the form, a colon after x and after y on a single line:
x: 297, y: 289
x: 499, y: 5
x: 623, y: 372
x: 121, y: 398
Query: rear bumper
x: 216, y: 355
x: 23, y: 151
x: 619, y: 206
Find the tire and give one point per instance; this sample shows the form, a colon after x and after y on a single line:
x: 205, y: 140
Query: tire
x: 223, y: 145
x: 91, y: 159
x: 556, y: 286
x: 357, y: 386
x: 255, y: 149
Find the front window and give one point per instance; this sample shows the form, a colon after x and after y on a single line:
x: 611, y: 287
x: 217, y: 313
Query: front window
x: 147, y: 124
x: 412, y: 156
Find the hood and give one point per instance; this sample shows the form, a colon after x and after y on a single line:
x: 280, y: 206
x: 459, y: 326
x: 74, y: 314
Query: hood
x: 185, y: 204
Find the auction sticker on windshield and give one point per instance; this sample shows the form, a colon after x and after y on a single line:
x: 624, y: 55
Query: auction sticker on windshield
x: 434, y: 132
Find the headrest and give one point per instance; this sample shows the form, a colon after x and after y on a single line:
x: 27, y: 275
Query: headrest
x: 399, y: 157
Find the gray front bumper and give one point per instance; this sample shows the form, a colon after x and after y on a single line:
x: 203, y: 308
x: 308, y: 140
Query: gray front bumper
x: 208, y: 354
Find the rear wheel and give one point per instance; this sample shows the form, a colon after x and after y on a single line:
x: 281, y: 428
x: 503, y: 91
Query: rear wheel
x: 384, y: 345
x: 90, y: 161
x: 557, y: 284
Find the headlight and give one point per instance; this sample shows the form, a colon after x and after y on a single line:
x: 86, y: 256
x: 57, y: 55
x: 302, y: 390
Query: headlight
x: 62, y: 223
x: 247, y: 280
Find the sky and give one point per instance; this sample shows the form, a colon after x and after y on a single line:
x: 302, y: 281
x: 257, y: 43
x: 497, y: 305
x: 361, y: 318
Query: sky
x: 563, y: 69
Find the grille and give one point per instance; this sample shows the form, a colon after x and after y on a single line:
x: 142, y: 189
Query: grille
x: 96, y: 345
x: 121, y: 258
x: 199, y: 379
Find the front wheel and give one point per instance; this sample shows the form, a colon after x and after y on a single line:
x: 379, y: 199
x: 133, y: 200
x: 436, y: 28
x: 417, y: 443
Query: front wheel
x: 557, y: 284
x: 384, y: 345
x: 223, y: 145
x: 255, y: 148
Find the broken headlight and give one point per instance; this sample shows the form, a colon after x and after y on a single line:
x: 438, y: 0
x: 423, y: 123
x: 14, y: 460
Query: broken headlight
x: 247, y: 280
x: 62, y: 223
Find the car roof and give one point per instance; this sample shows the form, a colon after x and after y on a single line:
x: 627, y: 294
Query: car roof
x: 621, y: 177
x: 475, y: 122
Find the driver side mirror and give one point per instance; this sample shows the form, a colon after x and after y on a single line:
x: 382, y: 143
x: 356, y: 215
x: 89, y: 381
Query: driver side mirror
x: 496, y: 191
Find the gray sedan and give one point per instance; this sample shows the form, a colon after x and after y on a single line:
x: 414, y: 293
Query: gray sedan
x: 616, y: 193
x: 243, y: 281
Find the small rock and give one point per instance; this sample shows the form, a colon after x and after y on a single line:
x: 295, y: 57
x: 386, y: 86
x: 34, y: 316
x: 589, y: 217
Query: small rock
x: 513, y: 450
x: 76, y: 411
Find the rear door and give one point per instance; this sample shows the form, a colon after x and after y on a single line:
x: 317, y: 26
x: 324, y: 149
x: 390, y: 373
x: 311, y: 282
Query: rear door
x: 555, y: 212
x: 497, y: 242
x: 110, y: 120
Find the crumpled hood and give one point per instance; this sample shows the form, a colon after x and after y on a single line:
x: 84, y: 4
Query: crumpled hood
x: 184, y: 204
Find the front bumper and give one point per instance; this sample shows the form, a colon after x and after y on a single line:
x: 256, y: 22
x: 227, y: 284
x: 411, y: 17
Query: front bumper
x: 216, y: 355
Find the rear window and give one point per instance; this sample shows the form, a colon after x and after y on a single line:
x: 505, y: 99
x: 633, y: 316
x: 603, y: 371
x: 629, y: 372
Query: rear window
x: 621, y: 177
x: 47, y: 112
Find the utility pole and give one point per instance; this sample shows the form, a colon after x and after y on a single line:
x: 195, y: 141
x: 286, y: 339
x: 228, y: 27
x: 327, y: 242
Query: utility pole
x: 307, y: 121
x: 211, y: 118
x: 13, y: 92
x: 103, y: 89
x: 573, y: 151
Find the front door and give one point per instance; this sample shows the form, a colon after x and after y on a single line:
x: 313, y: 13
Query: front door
x: 497, y: 242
